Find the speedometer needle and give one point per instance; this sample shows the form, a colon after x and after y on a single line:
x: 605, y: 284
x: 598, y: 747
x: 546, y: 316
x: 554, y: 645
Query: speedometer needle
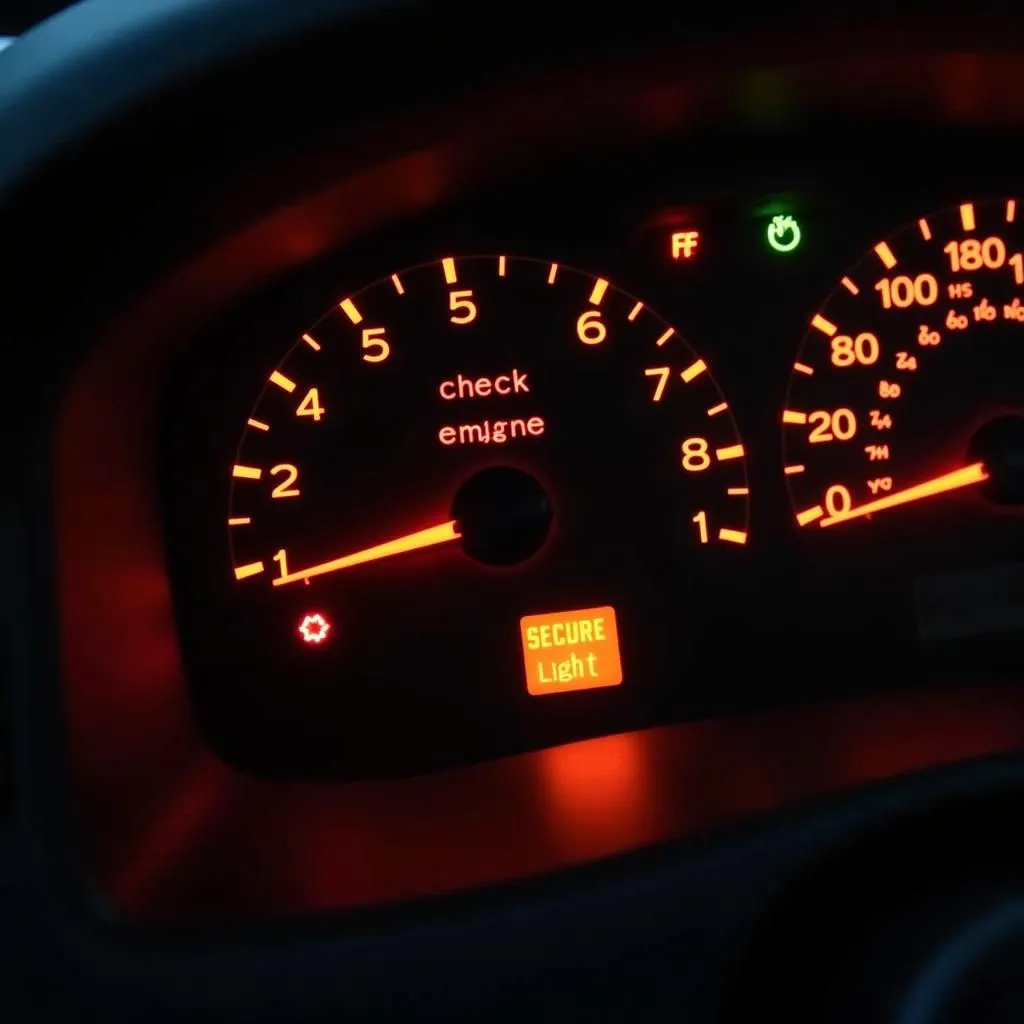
x: 429, y: 537
x: 964, y: 477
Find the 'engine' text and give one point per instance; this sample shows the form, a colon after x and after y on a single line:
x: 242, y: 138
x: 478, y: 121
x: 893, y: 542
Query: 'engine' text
x: 491, y: 431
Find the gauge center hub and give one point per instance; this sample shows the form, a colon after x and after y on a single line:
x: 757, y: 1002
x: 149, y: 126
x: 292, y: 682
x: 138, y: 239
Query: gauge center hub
x: 999, y: 444
x: 504, y: 515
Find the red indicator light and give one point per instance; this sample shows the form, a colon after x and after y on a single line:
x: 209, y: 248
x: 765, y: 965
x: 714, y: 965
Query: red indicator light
x: 685, y: 244
x: 314, y: 628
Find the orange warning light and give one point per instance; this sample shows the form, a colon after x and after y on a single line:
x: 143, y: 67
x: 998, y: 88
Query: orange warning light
x: 685, y: 244
x: 577, y: 650
x: 314, y: 628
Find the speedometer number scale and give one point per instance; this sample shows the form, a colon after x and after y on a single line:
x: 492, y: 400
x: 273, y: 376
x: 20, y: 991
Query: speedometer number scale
x: 906, y: 399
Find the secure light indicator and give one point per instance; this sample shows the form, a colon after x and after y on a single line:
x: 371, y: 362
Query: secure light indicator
x: 576, y: 650
x: 783, y: 233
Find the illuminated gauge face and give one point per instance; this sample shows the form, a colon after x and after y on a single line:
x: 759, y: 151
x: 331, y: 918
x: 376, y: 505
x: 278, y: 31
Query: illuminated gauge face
x: 466, y: 445
x: 906, y: 403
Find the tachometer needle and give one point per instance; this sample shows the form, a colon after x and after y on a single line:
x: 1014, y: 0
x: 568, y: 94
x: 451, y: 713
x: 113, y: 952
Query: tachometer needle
x: 964, y: 477
x: 440, y: 534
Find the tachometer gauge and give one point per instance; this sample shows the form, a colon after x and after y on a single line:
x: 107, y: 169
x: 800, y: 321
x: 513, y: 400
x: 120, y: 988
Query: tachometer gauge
x: 481, y: 471
x: 907, y: 397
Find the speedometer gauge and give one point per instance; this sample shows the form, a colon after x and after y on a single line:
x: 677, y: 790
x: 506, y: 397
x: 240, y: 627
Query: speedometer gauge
x: 485, y: 471
x: 906, y: 401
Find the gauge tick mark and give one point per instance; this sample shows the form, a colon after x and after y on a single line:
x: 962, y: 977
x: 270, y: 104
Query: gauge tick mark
x: 809, y: 515
x: 283, y: 382
x: 886, y: 255
x: 733, y: 451
x: 693, y: 371
x: 732, y: 536
x: 818, y: 322
x: 348, y: 307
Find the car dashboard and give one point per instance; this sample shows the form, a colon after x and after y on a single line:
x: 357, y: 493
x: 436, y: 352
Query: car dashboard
x: 523, y: 506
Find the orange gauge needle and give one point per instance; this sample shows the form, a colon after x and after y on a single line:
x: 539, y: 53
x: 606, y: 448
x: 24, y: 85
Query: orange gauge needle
x: 440, y: 534
x: 964, y: 477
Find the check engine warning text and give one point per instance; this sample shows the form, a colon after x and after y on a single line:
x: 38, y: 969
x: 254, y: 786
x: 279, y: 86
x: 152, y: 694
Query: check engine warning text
x: 577, y: 650
x: 488, y: 431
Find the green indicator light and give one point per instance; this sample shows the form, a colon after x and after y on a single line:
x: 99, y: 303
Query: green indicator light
x: 783, y: 233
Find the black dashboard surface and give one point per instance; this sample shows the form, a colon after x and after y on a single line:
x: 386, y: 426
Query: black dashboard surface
x: 828, y: 827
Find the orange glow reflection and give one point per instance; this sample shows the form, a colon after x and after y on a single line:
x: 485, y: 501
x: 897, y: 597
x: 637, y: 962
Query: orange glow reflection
x: 595, y: 792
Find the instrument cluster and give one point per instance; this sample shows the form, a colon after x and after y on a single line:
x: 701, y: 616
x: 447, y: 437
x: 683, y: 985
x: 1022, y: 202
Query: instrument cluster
x: 588, y: 453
